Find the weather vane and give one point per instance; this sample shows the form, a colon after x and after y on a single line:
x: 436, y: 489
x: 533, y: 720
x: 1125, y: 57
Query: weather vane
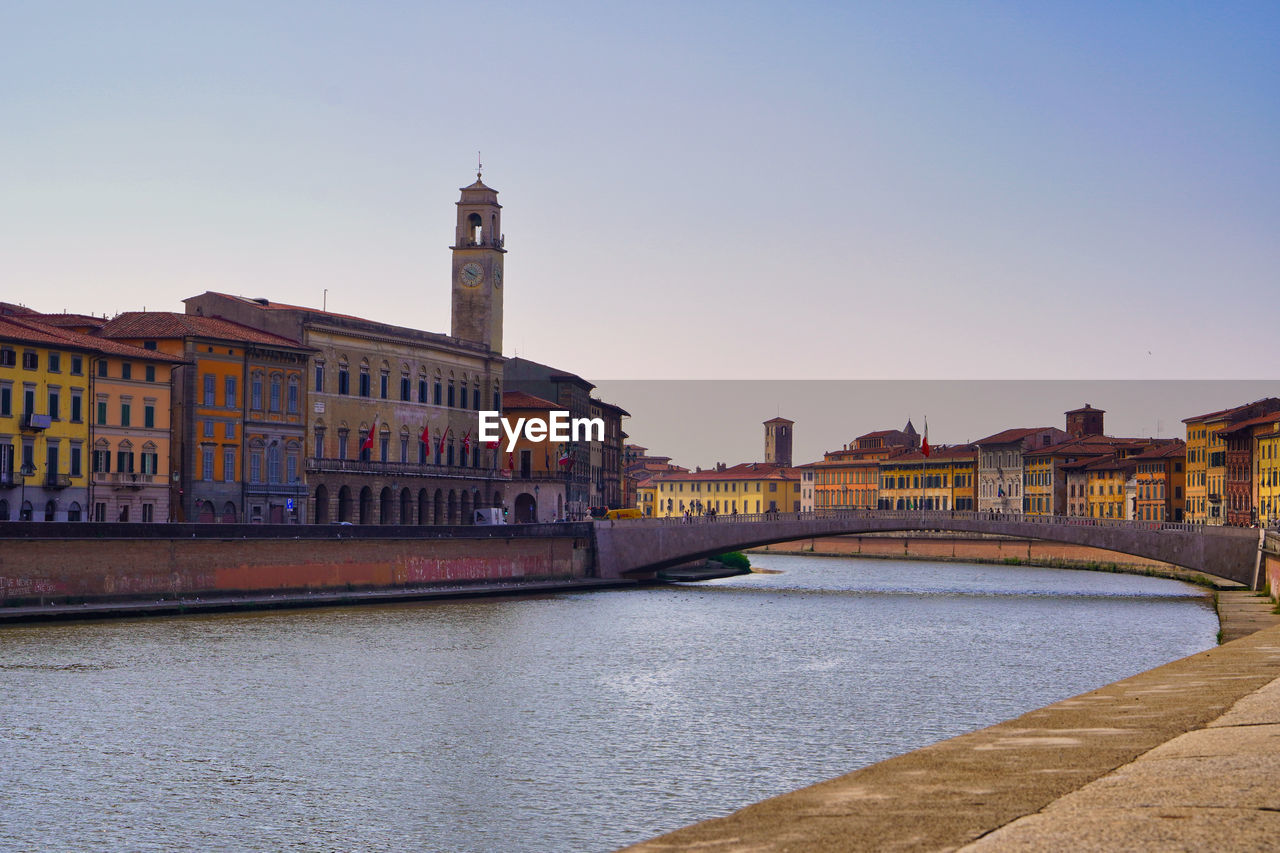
x: 479, y: 165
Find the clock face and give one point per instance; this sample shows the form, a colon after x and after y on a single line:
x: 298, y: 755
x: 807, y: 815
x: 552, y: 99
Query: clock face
x: 472, y: 274
x: 497, y: 276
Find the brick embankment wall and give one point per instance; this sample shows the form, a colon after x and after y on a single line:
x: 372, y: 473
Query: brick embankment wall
x: 964, y: 549
x: 1271, y: 571
x: 44, y: 571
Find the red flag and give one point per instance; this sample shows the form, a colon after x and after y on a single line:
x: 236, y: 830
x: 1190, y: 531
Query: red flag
x: 511, y: 461
x: 426, y: 435
x: 924, y: 445
x: 440, y: 446
x: 493, y: 445
x: 368, y: 439
x: 565, y: 459
x: 466, y: 443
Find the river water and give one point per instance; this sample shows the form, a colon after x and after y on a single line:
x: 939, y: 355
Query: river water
x: 573, y: 722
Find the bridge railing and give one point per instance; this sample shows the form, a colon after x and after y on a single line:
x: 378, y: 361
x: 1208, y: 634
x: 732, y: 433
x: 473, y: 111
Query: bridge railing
x: 922, y: 517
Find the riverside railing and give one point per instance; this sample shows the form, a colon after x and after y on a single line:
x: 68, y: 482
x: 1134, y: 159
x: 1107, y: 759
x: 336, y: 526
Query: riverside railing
x: 923, y: 516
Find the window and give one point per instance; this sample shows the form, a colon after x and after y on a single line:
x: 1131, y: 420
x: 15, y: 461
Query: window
x: 452, y: 397
x: 149, y: 416
x: 54, y: 400
x: 55, y: 362
x: 344, y: 380
x: 382, y: 386
x: 208, y: 389
x: 319, y: 440
x: 422, y: 391
x: 438, y: 392
x: 273, y: 463
x: 228, y: 465
x: 255, y: 467
x: 77, y: 365
x: 291, y: 468
x: 6, y: 400
x: 150, y: 462
x: 124, y: 460
x: 77, y: 405
x: 150, y: 373
x: 124, y: 414
x: 229, y: 430
x: 364, y: 383
x: 255, y: 392
x: 319, y: 383
x: 102, y: 367
x: 126, y: 371
x: 76, y: 461
x: 101, y: 459
x: 148, y: 513
x: 206, y: 464
x: 29, y: 399
x: 230, y: 399
x: 275, y: 393
x: 404, y: 389
x: 30, y: 360
x: 151, y: 345
x: 8, y: 357
x: 294, y: 394
x: 207, y: 429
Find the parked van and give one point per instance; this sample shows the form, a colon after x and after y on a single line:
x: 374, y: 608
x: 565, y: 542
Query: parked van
x: 489, y: 515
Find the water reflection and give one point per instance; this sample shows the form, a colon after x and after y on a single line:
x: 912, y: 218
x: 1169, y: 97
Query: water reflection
x: 570, y: 722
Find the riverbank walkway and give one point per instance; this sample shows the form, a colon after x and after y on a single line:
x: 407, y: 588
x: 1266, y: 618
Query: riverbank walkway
x: 1182, y: 757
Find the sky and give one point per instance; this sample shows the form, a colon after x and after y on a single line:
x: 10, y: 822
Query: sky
x: 715, y: 190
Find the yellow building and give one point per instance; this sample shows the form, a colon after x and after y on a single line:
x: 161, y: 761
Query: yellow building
x: 44, y: 386
x: 1107, y: 485
x: 1207, y: 458
x: 746, y: 489
x: 1266, y: 459
x: 945, y: 480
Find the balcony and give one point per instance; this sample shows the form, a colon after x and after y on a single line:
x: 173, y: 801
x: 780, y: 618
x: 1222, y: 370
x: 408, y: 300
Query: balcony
x: 298, y: 490
x: 10, y: 479
x: 123, y: 479
x: 57, y: 481
x: 32, y: 421
x: 403, y: 469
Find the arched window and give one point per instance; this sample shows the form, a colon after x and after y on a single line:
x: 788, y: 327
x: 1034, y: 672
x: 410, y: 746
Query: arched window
x: 474, y: 229
x: 255, y: 390
x: 277, y: 385
x: 344, y: 375
x: 294, y: 394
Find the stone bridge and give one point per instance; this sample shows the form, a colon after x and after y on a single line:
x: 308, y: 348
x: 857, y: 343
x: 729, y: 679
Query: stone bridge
x: 635, y: 548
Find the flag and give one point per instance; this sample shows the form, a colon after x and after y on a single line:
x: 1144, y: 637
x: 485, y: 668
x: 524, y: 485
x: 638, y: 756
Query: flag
x: 466, y: 443
x: 425, y: 438
x: 924, y: 446
x: 440, y: 446
x: 493, y: 445
x: 565, y: 459
x: 511, y: 461
x: 368, y: 439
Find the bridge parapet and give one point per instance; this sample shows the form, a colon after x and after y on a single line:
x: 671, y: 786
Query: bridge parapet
x: 631, y: 547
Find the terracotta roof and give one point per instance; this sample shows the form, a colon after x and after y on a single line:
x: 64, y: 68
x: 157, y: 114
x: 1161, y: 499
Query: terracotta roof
x: 1271, y: 418
x: 1085, y: 408
x: 268, y: 305
x: 1165, y: 450
x: 1087, y: 445
x: 28, y: 328
x: 521, y: 400
x: 744, y: 471
x: 1011, y: 435
x: 779, y: 420
x: 938, y: 453
x: 72, y: 320
x: 1232, y: 410
x: 169, y: 324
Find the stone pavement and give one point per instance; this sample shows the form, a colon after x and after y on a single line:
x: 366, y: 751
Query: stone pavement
x: 1182, y: 757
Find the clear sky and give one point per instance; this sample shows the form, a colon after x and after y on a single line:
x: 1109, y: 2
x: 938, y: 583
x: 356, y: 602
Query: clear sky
x: 711, y: 190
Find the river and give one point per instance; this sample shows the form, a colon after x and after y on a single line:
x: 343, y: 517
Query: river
x: 572, y: 722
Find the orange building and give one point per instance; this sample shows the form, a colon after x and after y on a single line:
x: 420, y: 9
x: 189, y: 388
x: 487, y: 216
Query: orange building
x: 238, y: 414
x: 1161, y: 482
x: 536, y: 492
x: 849, y: 478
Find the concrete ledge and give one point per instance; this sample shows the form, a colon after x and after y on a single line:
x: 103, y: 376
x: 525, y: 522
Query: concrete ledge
x: 962, y: 790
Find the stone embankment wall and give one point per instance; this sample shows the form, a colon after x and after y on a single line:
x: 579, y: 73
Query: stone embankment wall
x: 963, y: 549
x: 75, y: 570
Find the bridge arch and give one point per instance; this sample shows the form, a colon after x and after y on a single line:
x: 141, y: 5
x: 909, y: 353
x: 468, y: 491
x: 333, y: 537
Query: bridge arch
x: 634, y: 548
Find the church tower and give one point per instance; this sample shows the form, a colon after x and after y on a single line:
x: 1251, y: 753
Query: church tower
x: 777, y: 441
x: 477, y: 268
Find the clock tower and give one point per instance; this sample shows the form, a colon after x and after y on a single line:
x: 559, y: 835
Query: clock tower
x: 477, y: 268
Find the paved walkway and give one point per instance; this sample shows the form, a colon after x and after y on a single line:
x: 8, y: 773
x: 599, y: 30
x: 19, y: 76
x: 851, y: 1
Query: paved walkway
x: 1183, y: 757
